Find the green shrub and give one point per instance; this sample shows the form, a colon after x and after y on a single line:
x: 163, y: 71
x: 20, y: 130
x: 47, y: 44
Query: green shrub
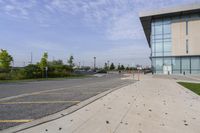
x: 55, y: 71
x: 5, y: 76
x: 18, y: 74
x: 33, y: 71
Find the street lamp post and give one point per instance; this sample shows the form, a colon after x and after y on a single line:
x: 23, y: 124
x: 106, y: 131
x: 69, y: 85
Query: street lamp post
x: 46, y: 72
x: 79, y: 65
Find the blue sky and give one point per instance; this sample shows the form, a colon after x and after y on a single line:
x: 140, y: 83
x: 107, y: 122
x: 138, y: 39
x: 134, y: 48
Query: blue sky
x: 107, y: 29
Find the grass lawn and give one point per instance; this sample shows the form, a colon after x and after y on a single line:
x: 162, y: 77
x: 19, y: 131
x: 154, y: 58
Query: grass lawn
x: 195, y: 87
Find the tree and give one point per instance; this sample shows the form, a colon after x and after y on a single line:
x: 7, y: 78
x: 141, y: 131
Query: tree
x: 106, y: 66
x: 56, y: 62
x: 5, y: 60
x: 32, y: 71
x: 86, y: 68
x: 71, y: 61
x: 122, y: 67
x: 127, y: 68
x: 43, y: 62
x: 119, y: 67
x: 112, y: 66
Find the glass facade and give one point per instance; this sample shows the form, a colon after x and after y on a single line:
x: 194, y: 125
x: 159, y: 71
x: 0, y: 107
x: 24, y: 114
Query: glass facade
x: 179, y: 65
x: 161, y: 37
x: 161, y: 50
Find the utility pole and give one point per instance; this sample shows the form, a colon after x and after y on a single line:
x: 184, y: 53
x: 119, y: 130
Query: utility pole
x: 31, y: 58
x: 94, y: 63
x: 108, y: 64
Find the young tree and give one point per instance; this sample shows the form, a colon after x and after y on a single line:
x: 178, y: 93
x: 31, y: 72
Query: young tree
x: 71, y: 62
x: 43, y: 62
x: 5, y: 60
x: 112, y: 66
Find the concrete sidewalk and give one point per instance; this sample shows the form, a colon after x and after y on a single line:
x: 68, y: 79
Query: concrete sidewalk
x: 184, y: 78
x: 148, y: 106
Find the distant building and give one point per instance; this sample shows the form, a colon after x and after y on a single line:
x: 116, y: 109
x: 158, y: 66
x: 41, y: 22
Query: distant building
x: 174, y: 38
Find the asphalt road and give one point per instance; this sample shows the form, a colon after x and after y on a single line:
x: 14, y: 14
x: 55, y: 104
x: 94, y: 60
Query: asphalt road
x: 27, y: 101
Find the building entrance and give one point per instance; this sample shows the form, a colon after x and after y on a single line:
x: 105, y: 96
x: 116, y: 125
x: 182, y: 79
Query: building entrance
x: 167, y: 69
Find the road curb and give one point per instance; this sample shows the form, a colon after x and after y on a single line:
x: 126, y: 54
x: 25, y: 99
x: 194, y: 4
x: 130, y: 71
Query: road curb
x: 60, y: 114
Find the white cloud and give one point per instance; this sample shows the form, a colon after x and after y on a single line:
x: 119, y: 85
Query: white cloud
x: 107, y: 13
x: 9, y: 8
x: 125, y: 27
x: 16, y: 8
x: 118, y: 17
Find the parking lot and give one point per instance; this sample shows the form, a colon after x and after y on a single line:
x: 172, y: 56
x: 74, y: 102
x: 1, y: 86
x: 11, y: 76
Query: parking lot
x: 26, y: 101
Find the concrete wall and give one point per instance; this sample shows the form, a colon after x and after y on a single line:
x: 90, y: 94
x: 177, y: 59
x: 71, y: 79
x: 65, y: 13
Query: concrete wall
x: 179, y: 37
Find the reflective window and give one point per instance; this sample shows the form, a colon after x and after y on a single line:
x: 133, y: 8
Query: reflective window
x: 176, y: 64
x: 154, y: 64
x: 158, y: 40
x: 167, y: 36
x: 167, y: 29
x: 159, y: 63
x: 161, y: 37
x: 185, y: 65
x: 158, y: 21
x: 167, y: 46
x: 195, y: 63
x: 158, y: 37
x: 180, y: 65
x: 168, y: 53
x: 158, y: 54
x: 158, y: 29
x: 152, y: 31
x: 167, y: 61
x: 167, y: 21
x: 158, y: 47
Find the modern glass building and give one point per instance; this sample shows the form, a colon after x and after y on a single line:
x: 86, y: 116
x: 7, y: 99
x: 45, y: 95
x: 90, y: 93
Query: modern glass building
x: 174, y: 38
